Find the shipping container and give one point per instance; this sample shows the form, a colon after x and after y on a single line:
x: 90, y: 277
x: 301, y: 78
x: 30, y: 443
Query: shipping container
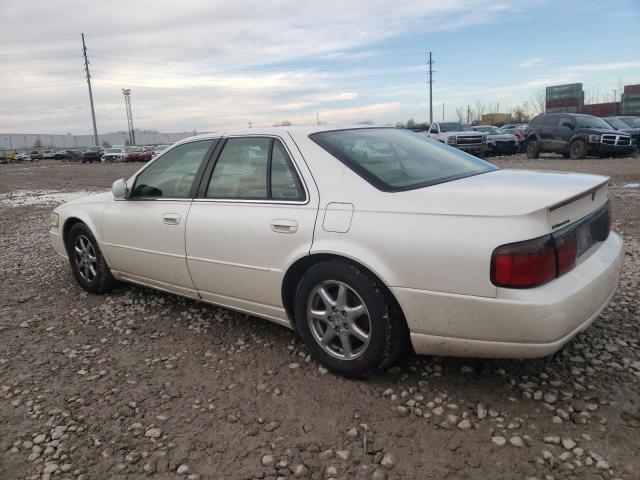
x: 630, y: 104
x: 608, y: 109
x: 632, y: 88
x: 570, y: 90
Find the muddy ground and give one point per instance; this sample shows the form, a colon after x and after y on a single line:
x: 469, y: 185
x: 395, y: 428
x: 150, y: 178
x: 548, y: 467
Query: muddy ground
x: 139, y: 384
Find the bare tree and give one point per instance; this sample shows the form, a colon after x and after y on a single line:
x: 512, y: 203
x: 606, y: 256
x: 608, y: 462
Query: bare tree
x: 460, y: 114
x: 480, y: 109
x: 538, y: 100
x: 519, y: 113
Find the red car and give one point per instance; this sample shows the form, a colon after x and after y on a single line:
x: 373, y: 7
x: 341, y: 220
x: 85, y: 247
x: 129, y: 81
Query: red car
x: 136, y: 154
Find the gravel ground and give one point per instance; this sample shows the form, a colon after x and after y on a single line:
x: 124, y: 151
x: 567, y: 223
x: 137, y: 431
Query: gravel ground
x: 142, y: 384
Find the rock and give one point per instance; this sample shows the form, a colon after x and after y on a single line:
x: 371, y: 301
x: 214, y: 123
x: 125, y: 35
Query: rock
x: 568, y: 443
x: 183, y: 469
x: 352, y: 433
x: 499, y: 441
x: 402, y: 410
x: 553, y: 439
x: 39, y: 439
x: 299, y: 471
x: 294, y: 365
x: 153, y: 433
x: 550, y: 397
x: 465, y: 425
x: 268, y: 460
x: 602, y: 465
x: 389, y: 460
x: 343, y: 454
x: 271, y: 426
x: 149, y: 468
x: 481, y: 411
x: 516, y: 442
x: 58, y: 432
x: 379, y: 474
x: 438, y: 411
x: 50, y: 468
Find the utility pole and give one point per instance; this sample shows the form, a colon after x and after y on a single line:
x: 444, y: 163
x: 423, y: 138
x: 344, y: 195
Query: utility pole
x: 93, y: 113
x: 317, y: 118
x: 615, y: 94
x: 249, y: 124
x: 468, y: 115
x: 430, y: 71
x: 127, y: 103
x: 443, y: 111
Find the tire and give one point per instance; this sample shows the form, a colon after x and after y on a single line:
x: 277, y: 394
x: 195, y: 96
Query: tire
x: 578, y: 149
x: 377, y: 317
x: 81, y: 246
x: 565, y: 155
x: 532, y: 148
x: 84, y: 161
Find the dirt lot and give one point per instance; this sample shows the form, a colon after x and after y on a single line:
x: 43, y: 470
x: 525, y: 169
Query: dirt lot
x: 142, y: 384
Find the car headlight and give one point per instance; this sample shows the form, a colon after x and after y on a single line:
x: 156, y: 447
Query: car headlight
x: 594, y: 138
x: 55, y: 220
x: 451, y: 140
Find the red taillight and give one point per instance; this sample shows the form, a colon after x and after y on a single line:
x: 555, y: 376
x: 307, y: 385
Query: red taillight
x: 524, y: 264
x: 566, y: 250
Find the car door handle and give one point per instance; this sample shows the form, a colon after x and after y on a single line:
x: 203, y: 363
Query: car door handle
x: 284, y: 226
x: 171, y: 218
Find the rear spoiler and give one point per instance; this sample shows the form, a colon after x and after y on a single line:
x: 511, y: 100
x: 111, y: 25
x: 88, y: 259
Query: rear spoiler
x: 592, y: 191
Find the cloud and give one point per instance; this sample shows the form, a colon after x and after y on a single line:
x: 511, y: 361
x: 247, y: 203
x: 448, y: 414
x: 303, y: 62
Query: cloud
x: 534, y: 62
x: 207, y: 64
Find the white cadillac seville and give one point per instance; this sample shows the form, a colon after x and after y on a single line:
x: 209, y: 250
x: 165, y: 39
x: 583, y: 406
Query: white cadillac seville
x: 364, y: 240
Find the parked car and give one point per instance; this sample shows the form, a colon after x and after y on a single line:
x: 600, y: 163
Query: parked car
x: 9, y: 156
x: 574, y: 135
x: 60, y: 154
x: 114, y: 154
x: 134, y: 154
x: 71, y: 155
x: 23, y: 157
x: 518, y: 131
x: 626, y: 124
x: 91, y: 154
x: 499, y: 142
x: 460, y: 136
x: 35, y: 155
x: 148, y: 151
x: 158, y: 149
x: 48, y: 154
x: 363, y: 239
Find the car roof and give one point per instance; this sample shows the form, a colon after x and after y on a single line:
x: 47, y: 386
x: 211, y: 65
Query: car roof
x: 278, y: 131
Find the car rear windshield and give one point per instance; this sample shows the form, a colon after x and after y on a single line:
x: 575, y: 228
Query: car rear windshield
x: 394, y: 159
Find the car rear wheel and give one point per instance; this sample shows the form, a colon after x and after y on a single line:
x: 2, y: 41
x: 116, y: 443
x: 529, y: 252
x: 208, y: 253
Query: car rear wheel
x: 533, y: 149
x: 87, y: 263
x: 578, y: 150
x: 348, y: 320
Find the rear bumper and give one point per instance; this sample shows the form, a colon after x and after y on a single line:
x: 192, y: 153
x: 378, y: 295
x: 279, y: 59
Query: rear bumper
x: 519, y: 323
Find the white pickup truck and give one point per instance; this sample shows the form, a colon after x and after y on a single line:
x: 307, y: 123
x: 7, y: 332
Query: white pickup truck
x: 460, y: 136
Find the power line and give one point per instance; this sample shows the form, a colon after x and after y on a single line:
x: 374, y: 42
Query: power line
x: 93, y: 112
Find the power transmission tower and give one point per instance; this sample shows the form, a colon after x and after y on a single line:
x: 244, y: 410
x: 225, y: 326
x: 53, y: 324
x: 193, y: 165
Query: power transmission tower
x: 93, y: 113
x: 127, y: 103
x: 430, y: 72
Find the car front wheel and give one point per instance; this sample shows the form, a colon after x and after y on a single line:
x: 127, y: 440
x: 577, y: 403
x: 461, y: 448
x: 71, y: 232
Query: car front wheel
x: 578, y: 150
x: 533, y: 149
x: 348, y: 320
x: 87, y: 263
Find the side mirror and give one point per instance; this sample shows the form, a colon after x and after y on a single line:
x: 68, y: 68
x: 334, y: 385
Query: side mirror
x: 120, y: 190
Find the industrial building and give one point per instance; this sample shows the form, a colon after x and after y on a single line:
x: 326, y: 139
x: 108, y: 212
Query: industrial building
x: 570, y: 98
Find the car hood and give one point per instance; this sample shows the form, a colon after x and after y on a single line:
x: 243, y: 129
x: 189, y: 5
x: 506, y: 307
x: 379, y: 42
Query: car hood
x: 501, y: 136
x: 464, y: 132
x: 599, y: 131
x: 96, y: 198
x: 496, y: 193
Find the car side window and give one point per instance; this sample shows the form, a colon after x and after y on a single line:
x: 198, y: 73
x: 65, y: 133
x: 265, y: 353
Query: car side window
x: 550, y: 121
x: 285, y: 184
x: 172, y: 174
x: 433, y: 129
x: 254, y: 168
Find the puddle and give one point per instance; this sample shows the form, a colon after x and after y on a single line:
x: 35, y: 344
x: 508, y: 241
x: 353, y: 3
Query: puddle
x: 25, y: 198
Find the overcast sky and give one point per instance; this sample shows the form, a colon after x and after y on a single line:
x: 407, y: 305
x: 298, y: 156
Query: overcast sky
x: 206, y: 65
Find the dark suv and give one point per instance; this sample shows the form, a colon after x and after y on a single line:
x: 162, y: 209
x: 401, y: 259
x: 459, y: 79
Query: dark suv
x: 91, y: 154
x: 575, y: 135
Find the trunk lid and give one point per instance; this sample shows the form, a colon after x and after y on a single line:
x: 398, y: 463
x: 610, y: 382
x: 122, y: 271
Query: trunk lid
x: 563, y: 197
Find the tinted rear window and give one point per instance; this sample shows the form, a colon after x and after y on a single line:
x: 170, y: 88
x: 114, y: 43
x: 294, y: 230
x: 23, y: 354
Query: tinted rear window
x: 394, y: 159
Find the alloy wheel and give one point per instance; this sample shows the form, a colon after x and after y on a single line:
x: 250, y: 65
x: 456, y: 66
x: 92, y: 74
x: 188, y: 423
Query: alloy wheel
x: 339, y: 320
x: 86, y: 260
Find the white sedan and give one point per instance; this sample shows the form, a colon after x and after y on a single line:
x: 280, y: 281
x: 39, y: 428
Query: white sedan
x: 364, y: 240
